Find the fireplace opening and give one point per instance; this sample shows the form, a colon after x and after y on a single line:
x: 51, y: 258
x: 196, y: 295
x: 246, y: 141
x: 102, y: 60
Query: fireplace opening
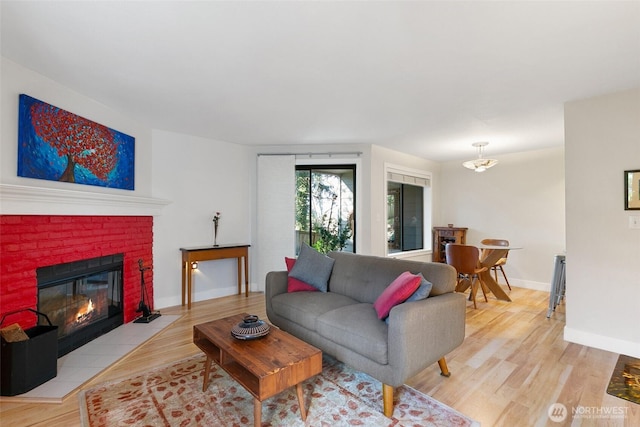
x: 83, y: 298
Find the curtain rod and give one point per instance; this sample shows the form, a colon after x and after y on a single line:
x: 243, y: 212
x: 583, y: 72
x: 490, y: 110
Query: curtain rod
x: 309, y: 154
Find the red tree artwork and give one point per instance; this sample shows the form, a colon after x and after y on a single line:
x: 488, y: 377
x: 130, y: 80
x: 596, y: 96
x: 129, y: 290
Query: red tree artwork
x: 82, y: 141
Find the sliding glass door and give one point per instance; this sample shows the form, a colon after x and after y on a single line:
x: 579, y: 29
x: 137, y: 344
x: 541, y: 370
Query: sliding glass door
x: 325, y: 207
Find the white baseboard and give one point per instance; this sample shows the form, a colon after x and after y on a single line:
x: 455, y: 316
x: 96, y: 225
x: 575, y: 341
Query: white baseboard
x: 176, y: 300
x: 604, y: 343
x: 528, y: 284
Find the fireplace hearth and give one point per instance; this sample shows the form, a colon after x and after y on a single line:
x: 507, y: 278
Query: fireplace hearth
x: 83, y: 298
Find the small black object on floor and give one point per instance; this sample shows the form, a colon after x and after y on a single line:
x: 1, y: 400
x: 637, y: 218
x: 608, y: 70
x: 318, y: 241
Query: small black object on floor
x: 147, y: 319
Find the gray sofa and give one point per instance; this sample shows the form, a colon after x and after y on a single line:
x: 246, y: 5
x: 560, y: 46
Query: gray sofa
x: 343, y: 323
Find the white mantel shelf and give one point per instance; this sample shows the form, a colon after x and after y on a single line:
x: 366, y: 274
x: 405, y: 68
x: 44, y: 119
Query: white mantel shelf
x: 26, y: 200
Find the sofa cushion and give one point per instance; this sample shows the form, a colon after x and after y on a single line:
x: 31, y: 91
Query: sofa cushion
x: 365, y: 277
x: 293, y: 284
x: 397, y: 292
x: 304, y: 307
x: 423, y: 290
x: 313, y: 268
x: 357, y: 328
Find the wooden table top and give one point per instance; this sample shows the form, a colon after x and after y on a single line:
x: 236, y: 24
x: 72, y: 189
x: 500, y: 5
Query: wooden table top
x: 209, y: 247
x: 262, y: 356
x: 496, y: 247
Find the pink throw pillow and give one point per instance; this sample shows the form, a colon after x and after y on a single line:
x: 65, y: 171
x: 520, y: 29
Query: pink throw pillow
x: 396, y: 293
x: 293, y: 284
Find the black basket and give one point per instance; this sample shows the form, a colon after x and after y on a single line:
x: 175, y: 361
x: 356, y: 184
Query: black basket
x: 27, y: 364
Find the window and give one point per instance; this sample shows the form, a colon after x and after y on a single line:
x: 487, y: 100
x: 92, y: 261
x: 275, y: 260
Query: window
x: 408, y: 212
x: 325, y: 207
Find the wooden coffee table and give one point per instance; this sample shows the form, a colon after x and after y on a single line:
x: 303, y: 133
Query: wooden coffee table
x: 264, y: 367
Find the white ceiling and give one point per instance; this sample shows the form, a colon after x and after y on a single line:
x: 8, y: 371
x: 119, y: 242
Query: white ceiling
x: 428, y: 78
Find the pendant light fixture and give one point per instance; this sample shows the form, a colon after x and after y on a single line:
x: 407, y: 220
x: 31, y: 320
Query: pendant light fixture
x: 480, y: 164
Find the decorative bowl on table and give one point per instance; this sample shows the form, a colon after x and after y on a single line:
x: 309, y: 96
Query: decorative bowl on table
x: 250, y: 328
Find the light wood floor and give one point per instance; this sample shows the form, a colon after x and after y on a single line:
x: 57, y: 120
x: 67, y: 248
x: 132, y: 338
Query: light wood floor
x: 511, y: 367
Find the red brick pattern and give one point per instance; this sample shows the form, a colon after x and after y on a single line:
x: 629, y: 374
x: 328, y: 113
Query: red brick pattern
x: 31, y: 241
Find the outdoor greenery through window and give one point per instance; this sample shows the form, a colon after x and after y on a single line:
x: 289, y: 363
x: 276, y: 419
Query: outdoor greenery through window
x: 405, y: 217
x: 325, y: 207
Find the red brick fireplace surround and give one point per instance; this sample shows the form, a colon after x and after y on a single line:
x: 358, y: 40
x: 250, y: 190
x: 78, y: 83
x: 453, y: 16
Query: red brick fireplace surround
x: 28, y: 242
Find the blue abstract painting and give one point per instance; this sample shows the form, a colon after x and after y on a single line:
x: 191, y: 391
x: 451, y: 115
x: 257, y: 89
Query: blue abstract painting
x: 57, y: 145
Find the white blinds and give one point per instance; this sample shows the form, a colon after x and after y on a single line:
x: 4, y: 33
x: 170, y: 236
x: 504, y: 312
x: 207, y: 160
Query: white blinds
x: 408, y: 179
x: 276, y: 213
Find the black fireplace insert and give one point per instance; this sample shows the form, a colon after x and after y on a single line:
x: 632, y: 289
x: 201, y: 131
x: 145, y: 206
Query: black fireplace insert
x: 83, y: 298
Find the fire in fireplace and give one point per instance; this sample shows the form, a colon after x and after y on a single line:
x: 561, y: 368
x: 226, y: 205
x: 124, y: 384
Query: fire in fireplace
x: 83, y: 298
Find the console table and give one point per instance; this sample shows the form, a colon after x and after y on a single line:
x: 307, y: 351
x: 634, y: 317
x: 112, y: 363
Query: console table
x: 208, y: 253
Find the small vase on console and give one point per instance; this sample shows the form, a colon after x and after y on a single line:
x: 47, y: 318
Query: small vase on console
x: 216, y: 219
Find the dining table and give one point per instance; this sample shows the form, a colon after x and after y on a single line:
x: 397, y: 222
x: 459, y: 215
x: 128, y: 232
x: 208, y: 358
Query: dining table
x: 489, y: 255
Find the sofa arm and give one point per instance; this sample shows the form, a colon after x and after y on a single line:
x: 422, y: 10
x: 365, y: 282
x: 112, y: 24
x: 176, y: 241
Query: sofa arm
x: 422, y: 332
x: 275, y: 284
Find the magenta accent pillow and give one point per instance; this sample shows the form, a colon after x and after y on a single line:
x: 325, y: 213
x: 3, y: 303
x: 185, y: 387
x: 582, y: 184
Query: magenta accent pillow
x: 293, y: 284
x: 396, y: 293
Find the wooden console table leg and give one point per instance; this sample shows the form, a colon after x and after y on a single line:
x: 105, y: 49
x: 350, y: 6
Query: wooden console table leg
x: 239, y: 275
x: 189, y: 281
x: 303, y: 411
x: 246, y: 275
x: 257, y: 413
x: 185, y: 270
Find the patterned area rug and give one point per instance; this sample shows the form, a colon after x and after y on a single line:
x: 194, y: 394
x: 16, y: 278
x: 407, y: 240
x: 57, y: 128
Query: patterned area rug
x: 625, y: 379
x: 172, y: 396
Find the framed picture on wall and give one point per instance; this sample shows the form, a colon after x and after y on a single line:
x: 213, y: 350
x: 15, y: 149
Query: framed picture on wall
x: 632, y: 190
x: 57, y: 145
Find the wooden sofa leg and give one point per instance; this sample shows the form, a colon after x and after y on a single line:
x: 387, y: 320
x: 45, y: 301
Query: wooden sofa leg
x: 387, y: 400
x: 444, y: 370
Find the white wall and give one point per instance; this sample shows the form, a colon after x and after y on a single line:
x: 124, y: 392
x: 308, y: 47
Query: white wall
x: 522, y: 200
x: 200, y: 176
x: 603, y: 253
x: 15, y: 79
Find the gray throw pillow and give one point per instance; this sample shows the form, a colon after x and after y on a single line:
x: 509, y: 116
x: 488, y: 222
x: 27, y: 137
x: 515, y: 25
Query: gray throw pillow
x: 313, y: 268
x: 423, y: 290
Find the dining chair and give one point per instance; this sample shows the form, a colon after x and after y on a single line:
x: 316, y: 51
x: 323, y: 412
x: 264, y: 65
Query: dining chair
x: 466, y: 260
x: 502, y: 261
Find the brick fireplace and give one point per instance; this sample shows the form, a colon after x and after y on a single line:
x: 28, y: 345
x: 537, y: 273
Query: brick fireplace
x: 29, y: 242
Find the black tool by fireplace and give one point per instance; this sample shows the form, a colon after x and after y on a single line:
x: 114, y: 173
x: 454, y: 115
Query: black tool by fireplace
x: 147, y: 315
x: 83, y: 298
